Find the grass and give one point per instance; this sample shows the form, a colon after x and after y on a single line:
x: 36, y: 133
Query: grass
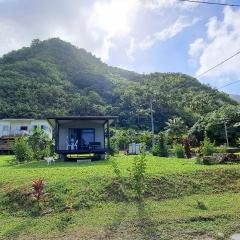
x: 176, y: 188
x: 62, y: 171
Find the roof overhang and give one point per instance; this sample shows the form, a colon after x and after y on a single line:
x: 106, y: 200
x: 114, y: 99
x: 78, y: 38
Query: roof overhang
x: 103, y: 119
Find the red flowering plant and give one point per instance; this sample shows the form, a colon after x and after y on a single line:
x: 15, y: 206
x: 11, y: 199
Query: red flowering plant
x: 187, y: 148
x: 38, y: 187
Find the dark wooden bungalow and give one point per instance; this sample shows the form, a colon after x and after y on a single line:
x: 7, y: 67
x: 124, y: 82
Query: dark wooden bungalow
x: 82, y: 135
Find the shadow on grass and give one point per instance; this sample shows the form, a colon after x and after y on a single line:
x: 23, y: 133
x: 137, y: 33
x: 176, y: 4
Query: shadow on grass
x: 112, y: 229
x: 141, y: 227
x: 16, y: 231
x: 146, y: 226
x: 43, y: 164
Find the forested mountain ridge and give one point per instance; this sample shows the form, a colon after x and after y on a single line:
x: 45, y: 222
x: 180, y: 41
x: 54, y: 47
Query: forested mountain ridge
x: 53, y: 77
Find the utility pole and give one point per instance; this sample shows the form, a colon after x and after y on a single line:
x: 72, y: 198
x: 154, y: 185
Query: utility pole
x: 152, y: 123
x: 226, y: 133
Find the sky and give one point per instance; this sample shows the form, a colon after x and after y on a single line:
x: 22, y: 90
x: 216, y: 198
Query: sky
x: 140, y: 35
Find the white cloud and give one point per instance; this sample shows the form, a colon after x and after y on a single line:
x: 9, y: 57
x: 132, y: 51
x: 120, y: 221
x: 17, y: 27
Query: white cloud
x: 169, y: 32
x: 100, y: 26
x: 222, y: 40
x: 196, y: 47
x: 161, y: 4
x: 111, y: 20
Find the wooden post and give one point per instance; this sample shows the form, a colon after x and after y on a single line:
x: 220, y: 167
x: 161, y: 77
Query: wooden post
x: 56, y: 135
x: 226, y: 133
x: 152, y: 123
x: 108, y: 136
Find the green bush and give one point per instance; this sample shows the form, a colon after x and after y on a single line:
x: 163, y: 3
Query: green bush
x: 19, y: 201
x: 22, y: 150
x: 207, y: 148
x: 238, y: 142
x: 40, y: 143
x: 160, y: 148
x: 155, y: 150
x: 64, y: 221
x: 201, y: 205
x: 221, y: 149
x: 178, y: 150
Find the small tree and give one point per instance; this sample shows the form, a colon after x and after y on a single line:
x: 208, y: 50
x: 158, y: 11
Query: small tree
x: 207, y: 148
x: 139, y: 175
x: 22, y: 150
x: 187, y: 149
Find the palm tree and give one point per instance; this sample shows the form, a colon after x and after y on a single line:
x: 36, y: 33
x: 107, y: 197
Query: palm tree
x: 175, y: 127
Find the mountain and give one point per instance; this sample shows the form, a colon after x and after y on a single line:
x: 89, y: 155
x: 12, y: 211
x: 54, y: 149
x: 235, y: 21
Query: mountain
x: 53, y: 77
x: 235, y: 97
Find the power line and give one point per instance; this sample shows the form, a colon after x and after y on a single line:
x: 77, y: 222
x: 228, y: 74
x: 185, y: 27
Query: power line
x: 238, y: 52
x: 186, y: 83
x: 211, y: 3
x: 203, y: 73
x: 231, y: 83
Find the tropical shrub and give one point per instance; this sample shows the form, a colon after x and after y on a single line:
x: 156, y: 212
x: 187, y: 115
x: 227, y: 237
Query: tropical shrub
x: 156, y: 150
x: 22, y: 150
x: 207, y: 148
x: 221, y: 149
x: 178, y: 150
x: 238, y: 142
x: 40, y: 143
x: 163, y: 150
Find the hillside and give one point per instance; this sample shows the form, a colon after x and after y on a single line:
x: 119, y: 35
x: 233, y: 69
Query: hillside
x: 53, y: 77
x: 235, y: 97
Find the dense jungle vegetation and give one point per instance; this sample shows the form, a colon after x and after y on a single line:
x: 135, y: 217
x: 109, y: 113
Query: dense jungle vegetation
x: 53, y: 77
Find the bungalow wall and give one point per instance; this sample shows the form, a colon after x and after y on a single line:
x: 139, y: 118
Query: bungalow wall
x: 18, y: 127
x: 64, y: 126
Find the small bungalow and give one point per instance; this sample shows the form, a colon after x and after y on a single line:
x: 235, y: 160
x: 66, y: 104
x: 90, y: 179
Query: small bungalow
x: 82, y: 135
x: 12, y: 128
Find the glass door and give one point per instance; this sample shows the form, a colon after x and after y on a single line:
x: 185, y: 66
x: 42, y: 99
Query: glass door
x: 79, y: 138
x: 88, y: 135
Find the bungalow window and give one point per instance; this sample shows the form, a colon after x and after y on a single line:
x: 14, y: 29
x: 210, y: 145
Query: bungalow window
x: 43, y: 127
x: 83, y: 135
x: 23, y: 128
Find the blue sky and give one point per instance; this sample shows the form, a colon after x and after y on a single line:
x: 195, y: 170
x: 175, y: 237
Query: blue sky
x: 140, y: 35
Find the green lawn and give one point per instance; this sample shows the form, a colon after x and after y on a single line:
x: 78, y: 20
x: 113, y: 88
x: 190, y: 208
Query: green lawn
x: 62, y: 171
x: 170, y: 211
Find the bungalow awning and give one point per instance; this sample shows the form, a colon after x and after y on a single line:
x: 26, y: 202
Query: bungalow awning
x: 100, y: 119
